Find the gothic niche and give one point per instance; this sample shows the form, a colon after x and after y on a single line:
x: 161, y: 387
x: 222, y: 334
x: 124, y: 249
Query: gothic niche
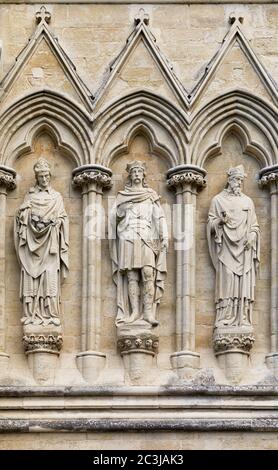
x: 138, y: 251
x: 41, y: 239
x: 234, y: 234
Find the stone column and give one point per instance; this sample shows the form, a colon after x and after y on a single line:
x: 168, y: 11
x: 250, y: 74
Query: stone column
x: 269, y: 179
x: 7, y: 182
x: 92, y: 179
x: 186, y: 180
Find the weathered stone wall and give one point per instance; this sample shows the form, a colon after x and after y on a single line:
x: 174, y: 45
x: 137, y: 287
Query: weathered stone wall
x: 159, y: 441
x: 86, y: 88
x: 94, y: 34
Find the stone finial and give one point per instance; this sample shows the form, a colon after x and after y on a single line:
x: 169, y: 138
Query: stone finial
x: 43, y: 16
x: 142, y: 17
x: 235, y: 18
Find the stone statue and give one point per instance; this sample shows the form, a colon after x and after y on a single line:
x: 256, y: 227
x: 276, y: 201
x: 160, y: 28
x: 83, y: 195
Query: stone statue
x: 41, y: 241
x: 234, y: 244
x: 138, y: 250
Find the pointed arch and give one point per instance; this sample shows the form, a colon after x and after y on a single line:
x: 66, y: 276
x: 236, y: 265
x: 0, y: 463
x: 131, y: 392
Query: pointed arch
x: 156, y: 114
x: 254, y: 121
x: 141, y: 128
x: 66, y: 121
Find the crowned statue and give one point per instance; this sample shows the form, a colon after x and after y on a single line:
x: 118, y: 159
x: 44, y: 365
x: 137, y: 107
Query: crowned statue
x: 138, y: 250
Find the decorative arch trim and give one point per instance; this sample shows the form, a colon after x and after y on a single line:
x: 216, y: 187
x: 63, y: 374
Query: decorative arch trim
x: 248, y: 145
x: 44, y: 108
x: 141, y: 128
x: 236, y: 108
x: 147, y: 108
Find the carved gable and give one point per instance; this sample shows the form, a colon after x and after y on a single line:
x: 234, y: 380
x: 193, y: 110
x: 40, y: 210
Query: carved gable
x: 141, y: 64
x: 235, y: 66
x: 43, y: 64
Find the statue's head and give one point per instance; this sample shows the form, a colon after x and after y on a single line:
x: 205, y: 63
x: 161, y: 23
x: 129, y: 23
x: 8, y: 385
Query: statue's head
x: 42, y: 173
x: 236, y: 176
x: 136, y: 173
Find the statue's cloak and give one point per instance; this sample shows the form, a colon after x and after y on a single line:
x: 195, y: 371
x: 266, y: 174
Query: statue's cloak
x: 143, y: 237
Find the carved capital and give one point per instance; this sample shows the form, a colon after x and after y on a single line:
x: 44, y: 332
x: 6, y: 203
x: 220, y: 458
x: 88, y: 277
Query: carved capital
x: 36, y: 342
x: 268, y: 178
x: 137, y: 343
x: 229, y: 340
x: 186, y: 174
x: 7, y: 178
x: 88, y: 174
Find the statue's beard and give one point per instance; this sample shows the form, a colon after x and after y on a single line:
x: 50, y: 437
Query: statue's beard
x: 234, y: 190
x: 237, y: 191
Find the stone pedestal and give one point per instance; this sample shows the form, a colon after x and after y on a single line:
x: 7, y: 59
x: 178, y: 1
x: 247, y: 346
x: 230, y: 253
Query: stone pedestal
x: 271, y: 361
x: 138, y: 344
x: 232, y: 346
x: 185, y: 363
x: 42, y: 346
x: 90, y: 364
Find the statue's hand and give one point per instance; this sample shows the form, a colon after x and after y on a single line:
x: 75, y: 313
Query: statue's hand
x: 250, y: 241
x: 224, y: 219
x: 56, y: 222
x: 164, y: 244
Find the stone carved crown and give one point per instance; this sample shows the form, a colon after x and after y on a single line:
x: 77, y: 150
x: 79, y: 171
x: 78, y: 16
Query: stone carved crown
x: 136, y: 164
x: 41, y: 165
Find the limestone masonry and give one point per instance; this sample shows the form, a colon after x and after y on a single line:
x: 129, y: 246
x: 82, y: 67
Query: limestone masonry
x: 138, y: 225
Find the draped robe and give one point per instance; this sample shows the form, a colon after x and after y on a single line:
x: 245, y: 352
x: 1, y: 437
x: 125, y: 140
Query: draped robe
x: 42, y: 251
x: 235, y: 266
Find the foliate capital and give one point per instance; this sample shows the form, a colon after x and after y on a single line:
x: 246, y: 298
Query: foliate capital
x: 7, y: 178
x: 186, y: 174
x: 269, y: 177
x: 88, y: 174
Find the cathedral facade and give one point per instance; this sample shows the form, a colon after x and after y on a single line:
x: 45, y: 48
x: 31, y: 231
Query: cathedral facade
x: 138, y: 224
